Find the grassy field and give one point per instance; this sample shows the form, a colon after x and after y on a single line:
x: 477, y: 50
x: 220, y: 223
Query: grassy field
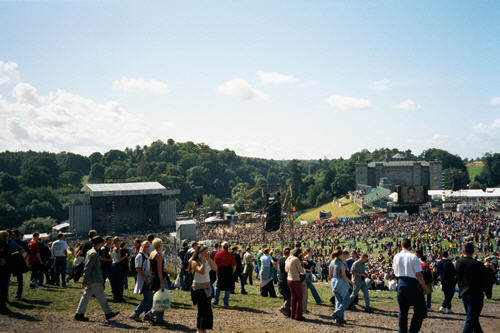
x: 52, y: 299
x: 474, y: 169
x: 348, y: 209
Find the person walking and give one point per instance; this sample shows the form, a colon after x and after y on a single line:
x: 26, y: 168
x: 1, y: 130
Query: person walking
x: 294, y: 270
x: 201, y: 265
x: 283, y: 283
x: 358, y: 271
x: 266, y: 278
x: 92, y: 283
x: 472, y: 280
x: 427, y: 275
x: 411, y: 288
x: 238, y: 274
x: 143, y: 282
x: 35, y: 261
x: 447, y: 274
x: 309, y: 266
x: 340, y: 285
x: 159, y: 282
x: 226, y: 266
x: 248, y: 261
x: 59, y: 248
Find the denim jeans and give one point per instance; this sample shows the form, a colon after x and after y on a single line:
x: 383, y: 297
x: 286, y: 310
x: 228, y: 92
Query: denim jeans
x: 473, y: 307
x: 146, y: 303
x: 217, y: 295
x: 364, y: 289
x: 341, y: 290
x: 311, y: 287
x: 408, y: 294
x: 448, y: 291
x: 60, y: 270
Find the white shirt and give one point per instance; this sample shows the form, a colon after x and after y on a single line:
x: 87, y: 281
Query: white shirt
x: 59, y: 248
x: 406, y: 264
x: 142, y: 262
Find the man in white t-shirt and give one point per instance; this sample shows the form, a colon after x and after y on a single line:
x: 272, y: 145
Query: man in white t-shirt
x: 59, y: 248
x: 411, y: 288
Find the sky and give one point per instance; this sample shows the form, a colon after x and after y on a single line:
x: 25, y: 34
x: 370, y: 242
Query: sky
x: 271, y: 79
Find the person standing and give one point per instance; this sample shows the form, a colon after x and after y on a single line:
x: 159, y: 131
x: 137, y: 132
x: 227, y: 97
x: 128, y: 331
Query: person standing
x: 19, y: 274
x: 92, y: 283
x: 248, y: 261
x: 182, y: 271
x: 447, y: 275
x: 143, y: 282
x: 106, y: 260
x: 201, y: 265
x: 4, y: 271
x: 411, y: 288
x: 117, y: 270
x: 294, y: 270
x: 283, y: 284
x: 427, y: 275
x: 358, y: 271
x: 472, y: 280
x: 35, y: 261
x: 59, y: 248
x: 238, y: 274
x: 226, y: 265
x: 340, y: 285
x: 266, y: 278
x: 309, y: 266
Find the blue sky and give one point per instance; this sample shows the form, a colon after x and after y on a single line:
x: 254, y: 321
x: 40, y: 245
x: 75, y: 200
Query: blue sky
x: 272, y: 79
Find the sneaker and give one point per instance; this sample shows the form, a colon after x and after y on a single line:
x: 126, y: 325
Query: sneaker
x: 443, y: 310
x: 159, y: 322
x: 449, y: 311
x: 283, y: 311
x: 244, y: 292
x: 81, y: 317
x: 111, y: 315
x: 149, y: 317
x: 368, y: 310
x: 136, y: 318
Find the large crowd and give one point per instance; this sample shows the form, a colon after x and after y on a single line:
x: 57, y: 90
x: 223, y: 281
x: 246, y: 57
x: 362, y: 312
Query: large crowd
x: 354, y: 255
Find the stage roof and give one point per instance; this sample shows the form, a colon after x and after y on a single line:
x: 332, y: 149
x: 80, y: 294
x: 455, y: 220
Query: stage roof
x: 123, y: 189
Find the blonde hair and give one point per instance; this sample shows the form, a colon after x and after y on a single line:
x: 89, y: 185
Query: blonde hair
x: 157, y: 243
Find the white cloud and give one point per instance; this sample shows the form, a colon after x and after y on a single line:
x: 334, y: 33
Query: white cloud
x: 440, y: 137
x: 380, y: 85
x: 408, y: 104
x: 7, y: 71
x: 343, y: 102
x: 139, y: 85
x: 25, y: 93
x: 240, y: 89
x: 275, y: 78
x: 495, y: 101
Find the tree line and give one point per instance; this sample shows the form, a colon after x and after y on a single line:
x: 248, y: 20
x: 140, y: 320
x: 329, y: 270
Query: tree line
x: 35, y: 185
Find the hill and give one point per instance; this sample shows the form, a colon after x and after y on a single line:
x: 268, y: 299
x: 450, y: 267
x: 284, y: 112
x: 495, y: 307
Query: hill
x: 348, y: 209
x: 474, y: 169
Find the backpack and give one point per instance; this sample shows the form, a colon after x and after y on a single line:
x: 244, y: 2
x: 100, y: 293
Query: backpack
x: 17, y: 264
x: 427, y: 274
x: 45, y: 253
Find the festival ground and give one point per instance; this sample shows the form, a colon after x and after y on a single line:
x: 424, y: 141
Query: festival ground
x: 51, y: 309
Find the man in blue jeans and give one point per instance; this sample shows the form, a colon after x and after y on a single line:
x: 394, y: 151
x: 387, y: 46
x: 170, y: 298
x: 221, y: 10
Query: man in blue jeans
x: 472, y: 280
x: 59, y: 248
x: 411, y: 288
x: 358, y: 271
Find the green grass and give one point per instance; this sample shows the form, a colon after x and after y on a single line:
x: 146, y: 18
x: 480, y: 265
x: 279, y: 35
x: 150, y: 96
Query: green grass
x: 474, y: 170
x: 348, y: 209
x: 47, y: 299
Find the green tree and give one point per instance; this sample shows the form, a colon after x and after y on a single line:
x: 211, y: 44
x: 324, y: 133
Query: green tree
x: 8, y: 183
x: 39, y: 224
x: 490, y: 175
x: 455, y: 179
x: 97, y: 173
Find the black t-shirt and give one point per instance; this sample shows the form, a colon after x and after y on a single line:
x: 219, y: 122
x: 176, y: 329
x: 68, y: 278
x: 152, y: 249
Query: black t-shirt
x: 86, y: 247
x: 471, y: 277
x: 105, y: 252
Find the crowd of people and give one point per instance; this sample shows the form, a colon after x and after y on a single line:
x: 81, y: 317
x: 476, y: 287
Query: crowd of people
x: 354, y: 255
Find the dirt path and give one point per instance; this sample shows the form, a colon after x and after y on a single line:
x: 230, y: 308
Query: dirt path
x: 249, y: 320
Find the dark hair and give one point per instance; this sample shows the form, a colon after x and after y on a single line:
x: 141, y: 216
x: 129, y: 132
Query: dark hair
x: 92, y: 233
x: 444, y: 254
x: 336, y: 253
x: 298, y: 244
x: 286, y: 251
x: 266, y: 251
x: 16, y: 232
x: 296, y: 252
x: 234, y: 249
x: 36, y: 234
x: 469, y: 248
x: 151, y: 237
x: 406, y: 243
x: 185, y: 243
x: 60, y: 236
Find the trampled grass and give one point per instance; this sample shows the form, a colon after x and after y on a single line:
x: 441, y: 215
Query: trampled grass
x: 49, y: 299
x: 348, y: 209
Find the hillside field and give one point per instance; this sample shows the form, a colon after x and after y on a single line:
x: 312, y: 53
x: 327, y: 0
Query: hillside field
x: 474, y: 169
x: 348, y: 209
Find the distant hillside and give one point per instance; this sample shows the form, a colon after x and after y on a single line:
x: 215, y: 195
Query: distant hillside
x: 474, y: 169
x: 348, y: 209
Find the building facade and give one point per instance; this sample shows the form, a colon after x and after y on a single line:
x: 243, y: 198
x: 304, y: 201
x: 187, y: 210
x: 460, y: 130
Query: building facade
x: 392, y: 173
